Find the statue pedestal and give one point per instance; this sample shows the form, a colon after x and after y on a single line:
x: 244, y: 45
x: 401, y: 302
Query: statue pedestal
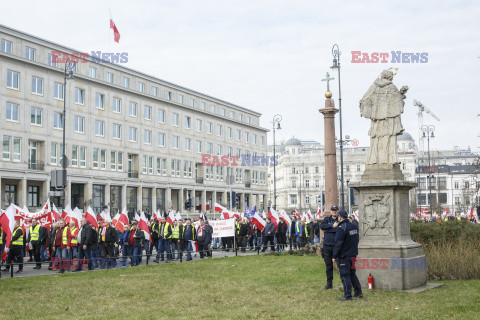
x: 386, y: 250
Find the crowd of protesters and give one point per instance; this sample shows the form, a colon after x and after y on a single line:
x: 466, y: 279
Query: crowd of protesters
x: 427, y: 218
x: 72, y: 248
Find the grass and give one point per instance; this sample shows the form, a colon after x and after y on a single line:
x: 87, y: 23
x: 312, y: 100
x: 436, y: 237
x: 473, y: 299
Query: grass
x: 249, y: 287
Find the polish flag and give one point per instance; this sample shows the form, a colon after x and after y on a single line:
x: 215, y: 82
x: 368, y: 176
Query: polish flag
x: 318, y: 215
x: 235, y: 215
x: 219, y: 208
x: 296, y: 214
x: 157, y: 216
x: 355, y: 213
x: 91, y: 218
x: 116, y: 34
x: 309, y: 214
x: 284, y: 216
x: 194, y: 245
x: 124, y: 217
x: 471, y: 211
x: 103, y: 215
x: 137, y: 217
x: 258, y: 221
x: 74, y: 215
x: 143, y: 225
x: 171, y: 217
x: 273, y: 215
x: 7, y: 221
x: 116, y: 223
x: 55, y: 213
x: 264, y: 216
x: 66, y: 211
x: 178, y: 217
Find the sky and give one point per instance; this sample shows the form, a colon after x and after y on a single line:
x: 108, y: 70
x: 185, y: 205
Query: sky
x: 270, y: 55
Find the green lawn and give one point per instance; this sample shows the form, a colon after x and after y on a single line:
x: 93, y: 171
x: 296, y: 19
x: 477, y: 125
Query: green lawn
x: 252, y: 287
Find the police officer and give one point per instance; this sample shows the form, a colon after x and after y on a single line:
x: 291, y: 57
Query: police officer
x: 344, y: 251
x: 329, y: 226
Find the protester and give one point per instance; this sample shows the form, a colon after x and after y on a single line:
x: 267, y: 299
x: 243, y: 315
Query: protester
x: 125, y: 245
x: 164, y: 235
x: 203, y: 238
x: 189, y: 235
x: 72, y: 240
x: 281, y: 235
x: 34, y: 239
x: 136, y: 238
x: 268, y: 235
x: 15, y: 252
x: 242, y: 235
x: 108, y: 242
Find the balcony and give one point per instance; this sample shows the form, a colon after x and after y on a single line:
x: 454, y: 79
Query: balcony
x: 133, y: 174
x: 36, y: 165
x: 247, y: 185
x: 199, y: 180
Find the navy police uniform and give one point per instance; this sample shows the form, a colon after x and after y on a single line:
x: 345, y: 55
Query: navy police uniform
x: 328, y: 243
x: 344, y: 251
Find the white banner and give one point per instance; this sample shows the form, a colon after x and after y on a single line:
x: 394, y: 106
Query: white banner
x: 221, y: 228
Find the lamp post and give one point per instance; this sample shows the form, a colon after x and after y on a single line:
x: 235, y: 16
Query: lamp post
x: 428, y: 132
x: 276, y: 123
x: 336, y: 65
x: 68, y: 67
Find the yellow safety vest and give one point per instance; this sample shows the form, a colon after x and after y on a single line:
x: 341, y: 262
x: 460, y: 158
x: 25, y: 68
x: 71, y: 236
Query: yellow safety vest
x: 34, y: 233
x: 306, y: 230
x: 1, y: 235
x: 175, y: 232
x: 72, y: 231
x: 19, y: 241
x: 165, y: 230
x: 65, y: 236
x: 193, y: 232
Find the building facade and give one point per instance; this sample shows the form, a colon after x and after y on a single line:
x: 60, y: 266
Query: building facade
x: 300, y: 175
x: 132, y: 140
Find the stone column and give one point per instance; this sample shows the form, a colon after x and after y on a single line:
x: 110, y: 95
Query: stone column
x: 204, y: 201
x: 22, y: 193
x: 265, y: 203
x: 168, y: 199
x: 88, y: 190
x: 139, y: 198
x: 181, y: 197
x: 214, y: 199
x: 154, y: 200
x: 242, y: 202
x: 192, y: 196
x: 124, y: 196
x: 331, y: 188
x: 224, y: 199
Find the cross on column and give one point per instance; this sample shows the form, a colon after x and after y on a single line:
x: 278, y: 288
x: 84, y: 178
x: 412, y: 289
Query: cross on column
x: 327, y: 79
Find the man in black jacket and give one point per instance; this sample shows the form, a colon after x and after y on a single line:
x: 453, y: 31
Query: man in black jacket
x: 281, y: 235
x: 34, y: 239
x: 242, y: 235
x: 329, y: 227
x: 108, y: 241
x: 268, y: 235
x: 16, y: 248
x: 86, y: 237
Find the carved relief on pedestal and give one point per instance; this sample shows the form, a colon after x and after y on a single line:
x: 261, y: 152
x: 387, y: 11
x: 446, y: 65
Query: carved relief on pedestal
x: 377, y: 209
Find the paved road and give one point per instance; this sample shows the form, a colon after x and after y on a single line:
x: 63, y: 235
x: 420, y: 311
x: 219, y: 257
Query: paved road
x: 28, y: 270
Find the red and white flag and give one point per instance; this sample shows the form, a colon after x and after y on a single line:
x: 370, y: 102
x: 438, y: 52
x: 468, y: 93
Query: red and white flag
x: 284, y: 216
x: 143, y: 225
x: 117, y: 224
x: 103, y: 215
x: 296, y: 214
x: 116, y: 34
x: 273, y: 215
x: 74, y: 215
x: 219, y: 208
x: 309, y: 215
x: 55, y: 213
x: 318, y: 215
x: 194, y: 245
x: 7, y: 221
x: 123, y: 217
x: 355, y: 213
x: 258, y: 221
x: 171, y: 217
x: 66, y: 211
x: 178, y: 217
x: 91, y: 218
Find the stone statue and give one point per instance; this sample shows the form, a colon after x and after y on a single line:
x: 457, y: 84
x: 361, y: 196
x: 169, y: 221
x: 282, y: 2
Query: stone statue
x: 383, y: 104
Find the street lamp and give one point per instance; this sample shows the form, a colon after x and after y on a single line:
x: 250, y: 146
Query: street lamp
x: 276, y: 125
x: 428, y: 132
x: 336, y: 65
x: 69, y: 66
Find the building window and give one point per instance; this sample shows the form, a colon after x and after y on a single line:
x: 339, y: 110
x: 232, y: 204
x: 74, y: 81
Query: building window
x: 254, y: 139
x: 33, y: 196
x: 37, y: 85
x: 168, y: 95
x: 209, y: 128
x: 147, y: 166
x: 199, y: 146
x: 317, y: 183
x: 239, y: 135
x: 36, y: 116
x: 188, y: 122
x: 232, y: 115
x: 202, y: 105
x: 192, y: 102
x: 54, y: 153
x: 187, y: 144
x: 199, y: 125
x: 154, y: 91
x: 249, y: 120
x: 175, y: 119
x: 30, y: 53
x: 223, y: 112
x: 212, y: 109
x: 161, y: 115
x: 12, y: 112
x: 98, y: 197
x: 147, y: 137
x: 141, y: 87
x: 219, y: 130
x: 99, y: 101
x: 180, y: 98
x: 103, y: 159
x: 117, y: 129
x: 109, y: 77
x: 52, y: 61
x: 83, y: 157
x: 58, y: 91
x: 6, y: 46
x: 294, y: 183
x: 132, y: 134
x: 126, y: 82
x: 74, y: 156
x: 92, y: 72
x: 79, y: 96
x: 210, y: 148
x: 219, y: 150
x: 240, y: 117
x: 79, y: 124
x: 132, y: 109
x: 99, y: 128
x: 262, y: 141
x: 229, y: 151
x: 307, y: 183
x: 95, y: 158
x: 161, y: 139
x: 293, y: 199
x: 455, y: 185
x: 246, y: 137
x: 421, y: 184
x: 175, y: 142
x: 117, y: 105
x: 57, y: 120
x: 12, y: 79
x: 147, y: 112
x: 229, y: 133
x: 116, y: 160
